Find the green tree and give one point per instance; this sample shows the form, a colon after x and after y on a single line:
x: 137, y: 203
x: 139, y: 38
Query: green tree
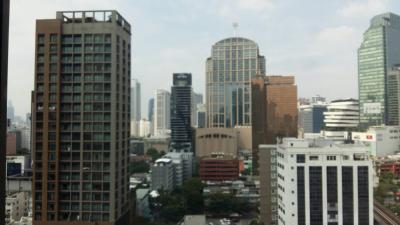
x: 153, y: 153
x: 220, y: 203
x: 193, y: 194
x: 139, y: 167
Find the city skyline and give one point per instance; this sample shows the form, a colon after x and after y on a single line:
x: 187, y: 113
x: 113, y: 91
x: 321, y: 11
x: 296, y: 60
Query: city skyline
x: 322, y: 50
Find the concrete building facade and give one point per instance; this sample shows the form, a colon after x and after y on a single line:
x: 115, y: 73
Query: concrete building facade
x: 162, y: 113
x: 320, y: 182
x: 162, y: 174
x: 227, y: 141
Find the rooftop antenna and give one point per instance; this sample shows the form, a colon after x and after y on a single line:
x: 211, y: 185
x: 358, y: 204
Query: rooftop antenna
x: 235, y: 27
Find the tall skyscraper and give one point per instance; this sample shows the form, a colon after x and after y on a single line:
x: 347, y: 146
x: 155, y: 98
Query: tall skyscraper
x: 136, y: 113
x: 150, y: 109
x: 10, y: 111
x: 196, y: 100
x: 81, y: 121
x: 274, y: 114
x: 233, y: 62
x: 181, y: 111
x: 162, y: 112
x: 150, y: 112
x: 393, y: 100
x: 378, y: 53
x: 321, y: 182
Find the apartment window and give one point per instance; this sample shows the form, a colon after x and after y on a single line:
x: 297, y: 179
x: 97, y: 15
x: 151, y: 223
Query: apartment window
x: 53, y: 37
x: 41, y: 38
x: 331, y: 157
x: 315, y: 176
x: 363, y: 195
x: 347, y: 193
x: 313, y: 157
x: 53, y: 48
x: 300, y: 158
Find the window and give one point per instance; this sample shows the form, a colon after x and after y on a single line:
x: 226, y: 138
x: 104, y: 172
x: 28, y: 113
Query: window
x: 53, y: 37
x: 53, y: 48
x: 300, y: 158
x: 331, y: 157
x: 313, y: 157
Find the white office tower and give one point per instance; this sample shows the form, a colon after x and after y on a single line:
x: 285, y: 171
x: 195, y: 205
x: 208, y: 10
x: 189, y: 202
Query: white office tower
x: 144, y: 128
x: 342, y: 117
x: 320, y: 182
x: 162, y: 108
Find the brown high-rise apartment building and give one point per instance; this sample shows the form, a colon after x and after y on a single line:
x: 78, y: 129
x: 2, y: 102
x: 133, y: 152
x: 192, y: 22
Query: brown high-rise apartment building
x: 274, y: 114
x: 81, y: 119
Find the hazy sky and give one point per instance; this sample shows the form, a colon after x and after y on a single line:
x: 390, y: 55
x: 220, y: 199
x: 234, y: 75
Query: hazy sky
x: 314, y: 40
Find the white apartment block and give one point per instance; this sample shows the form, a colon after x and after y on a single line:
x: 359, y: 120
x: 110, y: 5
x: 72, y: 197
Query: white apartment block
x: 162, y: 112
x: 323, y: 182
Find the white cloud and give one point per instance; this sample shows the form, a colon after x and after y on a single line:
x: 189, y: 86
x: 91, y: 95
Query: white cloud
x: 234, y: 9
x: 364, y: 8
x: 341, y: 36
x: 254, y: 5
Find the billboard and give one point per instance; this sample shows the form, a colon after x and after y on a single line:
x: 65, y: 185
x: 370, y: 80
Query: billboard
x: 372, y: 108
x: 13, y: 168
x: 359, y: 136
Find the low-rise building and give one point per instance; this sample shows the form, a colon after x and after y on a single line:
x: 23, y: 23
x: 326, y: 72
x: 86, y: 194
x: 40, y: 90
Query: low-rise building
x: 322, y: 182
x: 380, y: 140
x: 183, y: 166
x: 142, y: 203
x: 219, y: 167
x: 222, y: 140
x: 388, y: 164
x: 161, y: 144
x: 162, y: 174
x: 17, y: 206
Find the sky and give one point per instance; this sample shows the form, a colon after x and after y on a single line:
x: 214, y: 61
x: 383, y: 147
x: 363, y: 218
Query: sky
x: 316, y: 41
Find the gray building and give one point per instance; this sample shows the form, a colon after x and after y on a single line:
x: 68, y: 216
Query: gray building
x: 378, y: 53
x: 80, y: 119
x: 136, y: 113
x: 150, y: 115
x: 311, y: 117
x: 162, y: 174
x: 233, y: 62
x: 393, y: 100
x: 183, y: 166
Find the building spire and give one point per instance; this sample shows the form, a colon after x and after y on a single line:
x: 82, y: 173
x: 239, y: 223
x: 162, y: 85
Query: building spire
x: 235, y: 27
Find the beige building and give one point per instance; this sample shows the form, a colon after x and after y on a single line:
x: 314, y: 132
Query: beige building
x: 222, y: 140
x: 160, y: 144
x: 17, y: 205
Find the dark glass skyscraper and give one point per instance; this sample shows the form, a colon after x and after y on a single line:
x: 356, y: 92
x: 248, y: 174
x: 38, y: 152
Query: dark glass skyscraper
x: 181, y: 97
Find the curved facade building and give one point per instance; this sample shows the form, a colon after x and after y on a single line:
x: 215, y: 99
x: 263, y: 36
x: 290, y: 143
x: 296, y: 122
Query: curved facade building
x: 233, y: 62
x: 342, y: 116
